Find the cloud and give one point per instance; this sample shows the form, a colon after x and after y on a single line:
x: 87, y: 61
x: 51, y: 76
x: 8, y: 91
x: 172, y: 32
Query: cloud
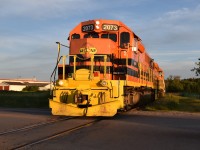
x: 184, y: 14
x: 45, y: 9
x: 177, y: 28
x: 176, y: 53
x: 36, y: 8
x: 173, y: 40
x: 30, y: 28
x: 182, y: 68
x: 27, y: 56
x: 177, y: 62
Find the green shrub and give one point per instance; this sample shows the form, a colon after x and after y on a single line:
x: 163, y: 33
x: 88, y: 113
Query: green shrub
x: 31, y: 88
x: 24, y: 99
x: 175, y: 102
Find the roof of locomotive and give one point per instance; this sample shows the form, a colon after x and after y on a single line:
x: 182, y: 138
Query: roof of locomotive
x: 100, y: 22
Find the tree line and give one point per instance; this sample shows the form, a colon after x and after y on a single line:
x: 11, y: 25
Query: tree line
x: 191, y: 85
x: 175, y: 84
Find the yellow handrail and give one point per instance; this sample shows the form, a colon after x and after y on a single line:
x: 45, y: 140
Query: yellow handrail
x: 92, y: 64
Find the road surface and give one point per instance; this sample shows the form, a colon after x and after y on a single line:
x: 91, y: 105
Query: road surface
x: 140, y: 130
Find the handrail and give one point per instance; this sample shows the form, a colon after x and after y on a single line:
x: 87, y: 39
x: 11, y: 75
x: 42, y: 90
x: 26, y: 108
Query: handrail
x: 64, y: 61
x: 53, y: 75
x: 54, y: 71
x: 92, y: 64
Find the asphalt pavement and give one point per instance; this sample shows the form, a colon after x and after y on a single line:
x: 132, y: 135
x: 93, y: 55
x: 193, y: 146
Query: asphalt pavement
x: 139, y: 130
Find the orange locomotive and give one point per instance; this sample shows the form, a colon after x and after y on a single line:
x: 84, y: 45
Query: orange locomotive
x: 109, y: 70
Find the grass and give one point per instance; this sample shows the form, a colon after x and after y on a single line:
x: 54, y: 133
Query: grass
x: 40, y: 100
x: 24, y: 99
x: 175, y: 103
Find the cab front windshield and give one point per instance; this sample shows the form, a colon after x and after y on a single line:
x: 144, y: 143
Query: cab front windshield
x: 111, y: 36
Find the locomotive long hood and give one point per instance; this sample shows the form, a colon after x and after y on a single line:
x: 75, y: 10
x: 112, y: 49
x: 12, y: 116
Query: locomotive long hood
x: 107, y: 47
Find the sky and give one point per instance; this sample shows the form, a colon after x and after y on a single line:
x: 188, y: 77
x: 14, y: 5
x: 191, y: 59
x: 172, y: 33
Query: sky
x: 169, y: 29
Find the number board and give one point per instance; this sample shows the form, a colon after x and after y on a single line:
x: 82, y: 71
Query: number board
x: 110, y: 27
x: 89, y: 27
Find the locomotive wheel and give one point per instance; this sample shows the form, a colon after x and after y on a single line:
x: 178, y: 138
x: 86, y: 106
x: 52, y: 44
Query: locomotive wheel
x: 136, y: 98
x: 132, y: 99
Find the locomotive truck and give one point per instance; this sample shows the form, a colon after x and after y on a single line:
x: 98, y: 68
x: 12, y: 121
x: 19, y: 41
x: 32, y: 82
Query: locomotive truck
x: 107, y: 69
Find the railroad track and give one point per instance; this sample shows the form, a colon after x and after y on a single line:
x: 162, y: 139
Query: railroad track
x: 34, y: 126
x: 26, y: 137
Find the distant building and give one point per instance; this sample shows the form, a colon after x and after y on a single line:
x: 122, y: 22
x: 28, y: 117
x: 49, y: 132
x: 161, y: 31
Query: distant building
x: 15, y: 86
x: 4, y: 86
x: 19, y: 84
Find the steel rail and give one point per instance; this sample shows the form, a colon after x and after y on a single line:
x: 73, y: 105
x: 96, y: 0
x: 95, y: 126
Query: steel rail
x: 59, y: 134
x: 34, y: 126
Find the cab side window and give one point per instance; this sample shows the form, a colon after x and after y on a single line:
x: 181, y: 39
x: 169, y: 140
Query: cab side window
x: 124, y: 39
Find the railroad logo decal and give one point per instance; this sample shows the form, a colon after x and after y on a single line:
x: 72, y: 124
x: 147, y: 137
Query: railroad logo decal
x: 90, y: 50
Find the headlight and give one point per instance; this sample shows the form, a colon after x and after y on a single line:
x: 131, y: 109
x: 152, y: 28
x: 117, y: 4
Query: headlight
x: 103, y: 83
x: 60, y: 82
x: 97, y: 22
x: 97, y: 26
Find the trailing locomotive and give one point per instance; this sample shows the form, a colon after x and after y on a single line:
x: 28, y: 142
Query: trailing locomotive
x: 108, y: 70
